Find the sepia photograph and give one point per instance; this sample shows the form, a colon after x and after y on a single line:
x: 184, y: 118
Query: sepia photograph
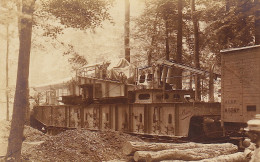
x: 129, y: 80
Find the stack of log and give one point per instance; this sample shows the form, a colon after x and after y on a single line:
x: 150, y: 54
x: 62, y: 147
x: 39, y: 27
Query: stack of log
x: 143, y: 151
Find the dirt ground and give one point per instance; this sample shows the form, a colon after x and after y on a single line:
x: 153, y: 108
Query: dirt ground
x: 71, y: 145
x: 79, y: 145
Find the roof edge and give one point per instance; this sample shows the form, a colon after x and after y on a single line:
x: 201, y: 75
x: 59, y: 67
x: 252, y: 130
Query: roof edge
x: 238, y: 49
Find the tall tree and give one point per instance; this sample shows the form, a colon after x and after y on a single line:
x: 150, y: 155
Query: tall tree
x: 22, y: 89
x: 166, y: 13
x: 257, y: 22
x: 150, y: 50
x: 127, y: 30
x: 196, y: 49
x: 7, y: 72
x: 7, y: 17
x: 179, y: 45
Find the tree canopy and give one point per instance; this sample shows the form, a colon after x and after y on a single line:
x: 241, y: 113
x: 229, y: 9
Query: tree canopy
x: 81, y: 14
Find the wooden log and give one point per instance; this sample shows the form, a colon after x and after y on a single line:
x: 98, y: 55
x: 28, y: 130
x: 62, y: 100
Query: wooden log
x: 236, y: 157
x: 189, y: 154
x: 141, y: 155
x: 130, y: 147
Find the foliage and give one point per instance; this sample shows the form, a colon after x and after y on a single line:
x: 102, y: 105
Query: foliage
x: 150, y: 28
x: 229, y: 28
x: 54, y: 16
x: 81, y: 14
x: 76, y: 60
x: 8, y: 12
x: 219, y: 28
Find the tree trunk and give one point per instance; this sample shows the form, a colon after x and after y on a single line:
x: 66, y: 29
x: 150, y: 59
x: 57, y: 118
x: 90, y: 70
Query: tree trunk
x: 7, y: 76
x: 22, y: 89
x: 257, y: 22
x: 211, y: 84
x: 189, y: 154
x: 127, y: 30
x: 179, y: 45
x: 191, y: 79
x: 167, y: 49
x: 130, y: 147
x: 196, y: 50
x: 149, y: 59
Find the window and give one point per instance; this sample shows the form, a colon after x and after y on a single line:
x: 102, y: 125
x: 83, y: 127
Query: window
x: 166, y: 96
x: 145, y: 96
x: 176, y: 96
x: 251, y: 107
x: 158, y: 96
x: 142, y: 78
x: 170, y: 119
x: 149, y: 77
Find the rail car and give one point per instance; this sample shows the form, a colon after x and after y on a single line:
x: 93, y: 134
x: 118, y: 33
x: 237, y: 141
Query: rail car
x: 98, y: 99
x: 240, y: 88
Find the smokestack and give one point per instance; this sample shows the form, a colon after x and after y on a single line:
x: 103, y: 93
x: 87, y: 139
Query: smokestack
x: 127, y: 30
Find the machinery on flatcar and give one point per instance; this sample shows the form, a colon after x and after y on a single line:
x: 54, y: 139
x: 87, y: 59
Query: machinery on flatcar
x: 147, y: 101
x: 103, y: 98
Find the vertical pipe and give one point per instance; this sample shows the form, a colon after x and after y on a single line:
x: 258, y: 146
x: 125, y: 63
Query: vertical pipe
x: 127, y: 30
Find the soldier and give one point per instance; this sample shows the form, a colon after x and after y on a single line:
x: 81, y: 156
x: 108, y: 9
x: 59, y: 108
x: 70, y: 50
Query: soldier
x: 254, y: 134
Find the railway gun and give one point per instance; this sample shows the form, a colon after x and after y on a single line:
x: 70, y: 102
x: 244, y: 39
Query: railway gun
x: 134, y: 100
